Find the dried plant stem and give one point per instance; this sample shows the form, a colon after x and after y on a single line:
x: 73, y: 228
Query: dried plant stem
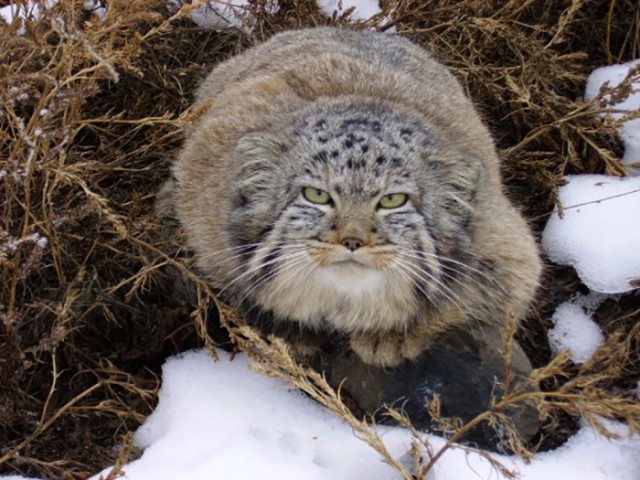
x: 42, y: 427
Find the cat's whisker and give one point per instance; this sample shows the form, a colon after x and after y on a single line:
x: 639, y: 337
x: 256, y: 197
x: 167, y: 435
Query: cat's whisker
x: 235, y: 247
x: 456, y: 266
x: 293, y: 269
x: 429, y: 278
x: 461, y: 270
x: 262, y: 254
x: 290, y: 263
x: 411, y: 275
x: 257, y: 268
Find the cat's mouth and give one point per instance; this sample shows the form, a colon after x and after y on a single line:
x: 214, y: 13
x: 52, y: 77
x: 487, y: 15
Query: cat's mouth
x: 348, y: 262
x: 340, y: 258
x: 351, y: 262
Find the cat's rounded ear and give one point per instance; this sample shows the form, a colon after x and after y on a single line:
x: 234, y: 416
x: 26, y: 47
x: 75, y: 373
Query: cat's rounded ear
x: 262, y: 145
x: 466, y: 175
x: 456, y: 177
x: 261, y: 158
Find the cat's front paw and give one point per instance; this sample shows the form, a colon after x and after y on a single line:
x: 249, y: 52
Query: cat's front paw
x: 386, y: 349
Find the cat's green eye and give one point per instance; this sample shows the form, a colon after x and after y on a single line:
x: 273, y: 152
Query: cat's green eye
x: 315, y: 195
x: 393, y: 200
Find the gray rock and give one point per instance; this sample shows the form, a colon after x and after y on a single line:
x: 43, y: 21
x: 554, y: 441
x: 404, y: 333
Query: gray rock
x: 463, y: 369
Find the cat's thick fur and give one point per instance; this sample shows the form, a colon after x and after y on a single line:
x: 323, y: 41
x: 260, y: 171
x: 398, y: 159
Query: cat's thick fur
x: 358, y: 115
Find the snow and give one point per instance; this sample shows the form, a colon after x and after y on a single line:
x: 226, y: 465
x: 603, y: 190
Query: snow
x: 219, y: 14
x: 630, y: 130
x: 574, y: 330
x: 596, y: 226
x: 24, y: 11
x: 597, y: 231
x: 96, y: 7
x: 224, y: 419
x: 364, y: 9
x: 215, y: 14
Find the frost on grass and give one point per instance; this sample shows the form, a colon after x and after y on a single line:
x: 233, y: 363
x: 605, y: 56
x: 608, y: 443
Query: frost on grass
x: 596, y: 230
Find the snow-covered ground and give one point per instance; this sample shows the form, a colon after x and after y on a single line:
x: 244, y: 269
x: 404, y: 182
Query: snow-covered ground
x: 223, y: 420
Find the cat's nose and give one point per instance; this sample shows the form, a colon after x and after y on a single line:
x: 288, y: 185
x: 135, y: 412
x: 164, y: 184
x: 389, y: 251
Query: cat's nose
x: 352, y: 243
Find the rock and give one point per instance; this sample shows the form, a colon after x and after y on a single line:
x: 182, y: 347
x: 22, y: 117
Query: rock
x: 463, y: 369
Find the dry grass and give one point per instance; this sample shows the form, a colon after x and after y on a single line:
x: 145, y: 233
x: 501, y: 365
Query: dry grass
x: 92, y: 111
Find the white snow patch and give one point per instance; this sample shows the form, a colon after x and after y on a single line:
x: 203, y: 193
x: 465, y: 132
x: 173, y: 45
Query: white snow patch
x: 97, y: 7
x: 589, y: 456
x: 223, y: 420
x: 15, y: 477
x: 599, y: 231
x: 574, y: 330
x: 30, y: 11
x: 364, y: 9
x: 218, y: 14
x: 630, y: 130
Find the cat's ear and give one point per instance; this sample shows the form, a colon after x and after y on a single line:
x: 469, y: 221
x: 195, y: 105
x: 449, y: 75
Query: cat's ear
x: 456, y: 177
x: 461, y: 186
x: 260, y: 159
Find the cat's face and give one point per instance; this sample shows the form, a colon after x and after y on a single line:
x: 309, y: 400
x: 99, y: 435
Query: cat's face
x: 361, y: 207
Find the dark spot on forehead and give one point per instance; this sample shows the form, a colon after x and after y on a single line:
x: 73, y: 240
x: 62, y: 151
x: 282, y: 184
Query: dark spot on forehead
x: 321, y: 156
x: 335, y: 154
x: 355, y: 164
x: 347, y: 143
x: 381, y: 159
x: 355, y: 122
x: 320, y: 125
x: 396, y: 162
x: 406, y: 132
x: 364, y: 148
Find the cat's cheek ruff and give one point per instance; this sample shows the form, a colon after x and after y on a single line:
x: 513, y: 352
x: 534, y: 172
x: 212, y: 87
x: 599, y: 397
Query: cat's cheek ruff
x: 385, y: 302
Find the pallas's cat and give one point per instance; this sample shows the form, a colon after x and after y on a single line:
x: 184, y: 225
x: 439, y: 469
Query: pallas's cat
x: 340, y: 181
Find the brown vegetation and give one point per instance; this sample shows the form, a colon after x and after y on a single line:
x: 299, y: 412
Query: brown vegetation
x: 91, y: 111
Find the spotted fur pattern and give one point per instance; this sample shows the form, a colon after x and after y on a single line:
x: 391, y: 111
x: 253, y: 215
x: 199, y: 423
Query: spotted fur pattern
x: 281, y: 118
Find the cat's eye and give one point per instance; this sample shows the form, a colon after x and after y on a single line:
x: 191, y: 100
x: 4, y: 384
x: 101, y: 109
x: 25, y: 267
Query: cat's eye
x: 393, y: 200
x: 315, y: 195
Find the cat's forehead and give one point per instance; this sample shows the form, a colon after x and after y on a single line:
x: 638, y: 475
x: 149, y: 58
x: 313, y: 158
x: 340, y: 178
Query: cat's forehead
x: 373, y: 145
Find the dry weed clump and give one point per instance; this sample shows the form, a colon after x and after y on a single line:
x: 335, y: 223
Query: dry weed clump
x: 91, y: 112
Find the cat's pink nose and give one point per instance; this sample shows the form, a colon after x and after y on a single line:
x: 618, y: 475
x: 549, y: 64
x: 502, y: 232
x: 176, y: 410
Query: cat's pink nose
x: 352, y: 243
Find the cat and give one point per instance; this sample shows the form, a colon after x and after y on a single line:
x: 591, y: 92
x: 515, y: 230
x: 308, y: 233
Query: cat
x: 341, y: 181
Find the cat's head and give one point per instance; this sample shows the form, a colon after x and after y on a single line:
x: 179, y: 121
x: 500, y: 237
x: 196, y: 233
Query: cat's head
x: 354, y: 198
